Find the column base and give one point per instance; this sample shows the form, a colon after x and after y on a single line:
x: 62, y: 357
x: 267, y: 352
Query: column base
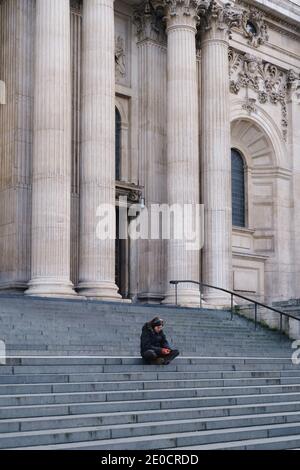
x: 47, y: 287
x: 185, y: 298
x: 15, y: 288
x: 104, y: 290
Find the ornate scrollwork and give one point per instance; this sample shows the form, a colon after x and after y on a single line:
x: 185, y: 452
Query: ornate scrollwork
x: 271, y: 84
x: 254, y: 27
x: 220, y: 20
x: 189, y: 7
x: 249, y: 105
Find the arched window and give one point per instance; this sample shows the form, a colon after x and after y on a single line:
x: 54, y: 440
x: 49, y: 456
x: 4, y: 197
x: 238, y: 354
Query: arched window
x: 118, y: 144
x: 238, y: 189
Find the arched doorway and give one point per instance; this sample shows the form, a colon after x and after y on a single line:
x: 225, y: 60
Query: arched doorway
x: 262, y: 264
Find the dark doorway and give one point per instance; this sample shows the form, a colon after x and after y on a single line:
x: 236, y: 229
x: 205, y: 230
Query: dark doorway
x: 121, y: 260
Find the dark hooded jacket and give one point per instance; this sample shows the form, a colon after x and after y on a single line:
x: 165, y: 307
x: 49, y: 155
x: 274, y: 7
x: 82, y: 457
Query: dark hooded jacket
x: 152, y: 340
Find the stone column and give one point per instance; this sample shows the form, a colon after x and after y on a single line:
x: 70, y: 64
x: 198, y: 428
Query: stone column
x: 97, y: 178
x: 294, y: 151
x: 51, y: 180
x: 17, y: 20
x: 182, y: 140
x: 215, y: 153
x: 152, y: 61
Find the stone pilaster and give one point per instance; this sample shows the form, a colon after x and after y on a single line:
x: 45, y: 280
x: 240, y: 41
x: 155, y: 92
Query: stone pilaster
x: 294, y: 150
x: 97, y: 183
x: 51, y: 180
x: 76, y: 30
x: 215, y: 151
x: 182, y: 140
x: 16, y: 65
x: 152, y: 60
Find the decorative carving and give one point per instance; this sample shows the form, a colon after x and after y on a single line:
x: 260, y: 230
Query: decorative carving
x: 276, y: 23
x: 254, y: 27
x: 148, y: 19
x: 293, y: 80
x: 292, y: 77
x: 120, y: 56
x: 249, y: 105
x: 218, y: 20
x: 184, y: 12
x: 271, y: 84
x: 188, y: 7
x: 131, y: 191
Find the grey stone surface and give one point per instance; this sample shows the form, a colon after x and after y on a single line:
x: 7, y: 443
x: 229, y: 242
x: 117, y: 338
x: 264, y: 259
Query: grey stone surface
x: 231, y: 383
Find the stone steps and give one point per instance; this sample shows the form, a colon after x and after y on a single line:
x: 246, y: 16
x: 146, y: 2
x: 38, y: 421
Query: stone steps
x: 130, y: 405
x: 12, y: 380
x: 73, y: 369
x: 129, y: 361
x: 123, y: 401
x: 63, y: 326
x: 211, y: 430
x: 210, y: 418
x: 292, y: 390
x: 176, y: 439
x: 41, y: 388
x: 231, y: 386
x: 272, y: 443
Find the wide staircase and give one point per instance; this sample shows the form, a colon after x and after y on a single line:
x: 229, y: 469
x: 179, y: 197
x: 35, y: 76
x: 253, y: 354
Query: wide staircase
x: 74, y: 380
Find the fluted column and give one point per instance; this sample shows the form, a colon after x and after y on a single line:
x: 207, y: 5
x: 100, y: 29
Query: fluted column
x: 215, y: 154
x: 97, y: 178
x: 182, y: 140
x: 51, y: 180
x: 17, y: 20
x: 294, y: 151
x: 152, y: 61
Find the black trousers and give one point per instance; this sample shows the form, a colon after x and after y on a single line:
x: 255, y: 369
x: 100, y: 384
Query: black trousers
x: 150, y: 355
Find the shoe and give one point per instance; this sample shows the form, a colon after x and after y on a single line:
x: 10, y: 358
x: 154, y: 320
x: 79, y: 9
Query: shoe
x: 170, y: 357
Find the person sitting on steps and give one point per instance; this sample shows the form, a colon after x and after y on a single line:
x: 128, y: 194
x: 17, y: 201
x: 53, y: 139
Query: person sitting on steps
x: 155, y: 348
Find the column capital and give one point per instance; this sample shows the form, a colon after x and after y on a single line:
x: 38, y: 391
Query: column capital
x: 148, y: 19
x: 218, y: 21
x: 184, y: 13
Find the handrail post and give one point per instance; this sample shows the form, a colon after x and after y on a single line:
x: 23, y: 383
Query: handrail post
x: 200, y: 292
x: 176, y: 296
x: 281, y: 323
x: 231, y: 307
x: 255, y: 315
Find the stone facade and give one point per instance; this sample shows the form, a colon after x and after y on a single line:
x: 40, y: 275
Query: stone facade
x: 190, y: 80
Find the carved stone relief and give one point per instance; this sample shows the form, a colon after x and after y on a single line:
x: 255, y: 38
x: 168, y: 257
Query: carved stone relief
x: 120, y: 56
x: 271, y: 84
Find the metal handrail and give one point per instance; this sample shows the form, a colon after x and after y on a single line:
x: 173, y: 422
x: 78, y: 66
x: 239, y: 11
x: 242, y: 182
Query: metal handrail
x: 233, y: 294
